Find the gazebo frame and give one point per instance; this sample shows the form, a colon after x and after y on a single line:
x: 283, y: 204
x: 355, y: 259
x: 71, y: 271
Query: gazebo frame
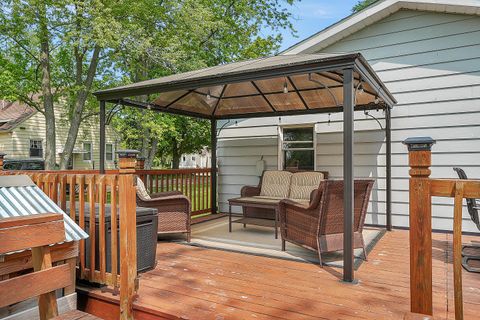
x: 351, y: 72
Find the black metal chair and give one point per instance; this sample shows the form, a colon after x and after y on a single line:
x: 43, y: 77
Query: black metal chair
x: 473, y: 207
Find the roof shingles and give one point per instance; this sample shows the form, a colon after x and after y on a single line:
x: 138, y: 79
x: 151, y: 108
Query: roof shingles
x: 12, y: 114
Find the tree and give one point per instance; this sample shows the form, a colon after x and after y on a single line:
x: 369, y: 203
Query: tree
x: 187, y: 35
x: 58, y: 52
x: 362, y: 5
x: 24, y: 58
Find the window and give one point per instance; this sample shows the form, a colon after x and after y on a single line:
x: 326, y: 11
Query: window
x: 87, y: 151
x: 298, y: 149
x: 193, y: 158
x: 36, y: 150
x: 109, y: 152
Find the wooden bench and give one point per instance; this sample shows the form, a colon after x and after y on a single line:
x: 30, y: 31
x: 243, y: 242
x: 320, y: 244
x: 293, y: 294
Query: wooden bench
x: 37, y: 233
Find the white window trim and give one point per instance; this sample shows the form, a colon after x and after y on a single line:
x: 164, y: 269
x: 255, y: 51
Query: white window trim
x: 91, y: 151
x: 280, y: 143
x: 113, y: 151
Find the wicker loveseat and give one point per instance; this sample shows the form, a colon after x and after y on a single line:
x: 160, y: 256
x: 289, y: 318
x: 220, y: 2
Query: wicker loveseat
x: 173, y: 209
x: 318, y: 225
x: 280, y: 185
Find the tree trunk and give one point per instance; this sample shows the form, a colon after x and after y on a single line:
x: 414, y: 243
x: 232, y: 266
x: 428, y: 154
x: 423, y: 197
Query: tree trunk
x: 49, y: 113
x: 76, y: 120
x: 175, y: 157
x: 151, y: 154
x: 145, y: 143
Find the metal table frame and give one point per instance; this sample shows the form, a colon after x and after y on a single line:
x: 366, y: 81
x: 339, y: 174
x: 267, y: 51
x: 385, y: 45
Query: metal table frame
x: 254, y: 221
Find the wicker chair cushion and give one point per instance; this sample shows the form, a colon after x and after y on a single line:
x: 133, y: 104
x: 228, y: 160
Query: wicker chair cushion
x: 141, y: 190
x: 303, y: 183
x: 276, y: 184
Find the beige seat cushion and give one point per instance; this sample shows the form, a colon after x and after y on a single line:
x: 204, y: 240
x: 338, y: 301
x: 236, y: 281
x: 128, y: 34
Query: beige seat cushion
x: 302, y: 202
x: 141, y: 190
x: 276, y: 184
x: 303, y: 183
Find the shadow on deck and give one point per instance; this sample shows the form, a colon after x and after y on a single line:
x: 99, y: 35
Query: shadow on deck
x: 196, y: 283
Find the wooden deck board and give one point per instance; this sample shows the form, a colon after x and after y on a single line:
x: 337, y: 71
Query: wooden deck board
x: 195, y: 283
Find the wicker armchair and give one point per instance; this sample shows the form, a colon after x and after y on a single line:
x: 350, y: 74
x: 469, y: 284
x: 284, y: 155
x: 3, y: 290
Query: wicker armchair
x: 173, y: 209
x: 318, y: 226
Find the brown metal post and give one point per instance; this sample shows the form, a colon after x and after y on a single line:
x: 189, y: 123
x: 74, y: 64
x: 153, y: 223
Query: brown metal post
x: 102, y: 137
x: 419, y: 158
x: 128, y: 231
x: 2, y: 155
x: 213, y: 170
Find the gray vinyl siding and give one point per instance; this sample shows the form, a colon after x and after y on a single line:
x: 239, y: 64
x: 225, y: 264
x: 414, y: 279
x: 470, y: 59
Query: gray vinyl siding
x: 431, y: 63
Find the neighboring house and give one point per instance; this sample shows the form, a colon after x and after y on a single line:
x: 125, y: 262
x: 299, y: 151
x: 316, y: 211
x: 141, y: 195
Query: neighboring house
x: 203, y: 159
x: 427, y: 52
x: 22, y: 136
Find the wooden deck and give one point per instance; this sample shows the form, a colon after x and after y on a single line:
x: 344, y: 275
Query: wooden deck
x: 197, y: 283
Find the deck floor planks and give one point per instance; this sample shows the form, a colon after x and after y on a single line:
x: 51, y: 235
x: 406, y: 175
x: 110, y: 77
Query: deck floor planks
x: 197, y: 283
x: 268, y: 270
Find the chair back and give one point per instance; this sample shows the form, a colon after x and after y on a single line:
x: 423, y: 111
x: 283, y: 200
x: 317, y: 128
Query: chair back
x: 331, y: 210
x: 471, y: 203
x: 275, y: 183
x: 303, y: 183
x: 37, y: 232
x: 142, y: 192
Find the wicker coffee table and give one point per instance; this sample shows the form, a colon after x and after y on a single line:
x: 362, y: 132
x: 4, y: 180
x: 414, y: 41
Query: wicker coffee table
x: 252, y: 202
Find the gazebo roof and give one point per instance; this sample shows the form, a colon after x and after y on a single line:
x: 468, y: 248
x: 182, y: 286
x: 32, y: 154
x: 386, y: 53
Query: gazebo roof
x: 271, y: 86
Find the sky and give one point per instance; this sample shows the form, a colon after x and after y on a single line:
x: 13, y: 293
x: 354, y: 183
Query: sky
x: 311, y: 16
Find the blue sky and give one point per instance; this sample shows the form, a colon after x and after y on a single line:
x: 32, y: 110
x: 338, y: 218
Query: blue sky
x: 311, y: 16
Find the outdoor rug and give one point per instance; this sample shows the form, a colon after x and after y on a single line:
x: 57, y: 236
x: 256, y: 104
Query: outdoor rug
x: 261, y: 241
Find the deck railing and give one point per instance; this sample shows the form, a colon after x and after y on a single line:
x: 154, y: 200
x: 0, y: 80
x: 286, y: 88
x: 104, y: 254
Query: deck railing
x: 422, y: 189
x: 85, y: 192
x: 193, y: 183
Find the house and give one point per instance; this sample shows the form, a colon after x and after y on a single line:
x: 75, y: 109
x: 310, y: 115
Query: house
x: 427, y: 52
x: 22, y: 136
x: 202, y: 159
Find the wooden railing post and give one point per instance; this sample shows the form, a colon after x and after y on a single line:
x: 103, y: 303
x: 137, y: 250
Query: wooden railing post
x: 2, y: 155
x: 419, y: 158
x: 140, y: 163
x: 141, y: 166
x: 128, y: 231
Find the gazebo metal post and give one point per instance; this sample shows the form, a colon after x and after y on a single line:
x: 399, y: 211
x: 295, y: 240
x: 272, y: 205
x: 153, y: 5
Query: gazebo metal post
x: 213, y: 170
x: 102, y: 136
x: 388, y: 141
x: 348, y: 174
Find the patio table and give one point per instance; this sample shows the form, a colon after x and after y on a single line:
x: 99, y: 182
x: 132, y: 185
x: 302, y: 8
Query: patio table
x: 254, y: 202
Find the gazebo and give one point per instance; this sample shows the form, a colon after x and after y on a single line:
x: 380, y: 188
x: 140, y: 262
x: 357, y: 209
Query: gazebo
x: 273, y: 86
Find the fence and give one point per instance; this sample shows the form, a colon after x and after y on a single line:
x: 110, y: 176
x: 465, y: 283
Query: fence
x: 193, y: 183
x: 77, y: 192
x: 422, y: 189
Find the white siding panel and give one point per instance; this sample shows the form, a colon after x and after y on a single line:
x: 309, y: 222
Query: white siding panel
x: 431, y: 62
x: 436, y: 82
x: 402, y: 26
x: 431, y: 70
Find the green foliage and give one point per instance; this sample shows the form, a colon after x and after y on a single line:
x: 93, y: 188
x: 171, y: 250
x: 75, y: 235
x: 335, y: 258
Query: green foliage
x: 362, y: 5
x: 97, y: 44
x: 169, y: 37
x: 75, y: 28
